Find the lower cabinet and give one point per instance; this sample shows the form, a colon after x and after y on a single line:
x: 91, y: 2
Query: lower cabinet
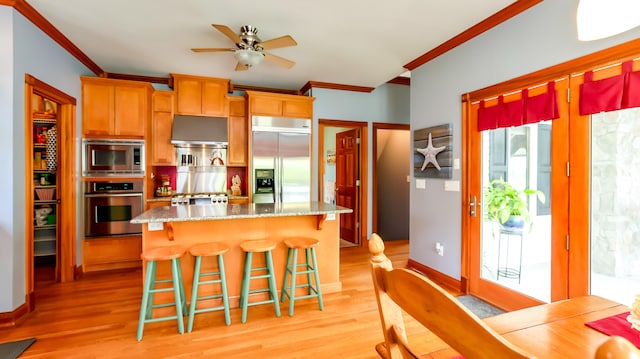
x: 106, y: 253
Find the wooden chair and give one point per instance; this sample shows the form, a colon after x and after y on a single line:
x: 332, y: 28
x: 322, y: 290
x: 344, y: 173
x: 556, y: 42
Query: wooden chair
x: 617, y: 348
x: 400, y: 290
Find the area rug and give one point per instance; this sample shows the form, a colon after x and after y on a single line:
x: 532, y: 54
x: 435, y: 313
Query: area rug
x: 478, y: 307
x: 12, y: 350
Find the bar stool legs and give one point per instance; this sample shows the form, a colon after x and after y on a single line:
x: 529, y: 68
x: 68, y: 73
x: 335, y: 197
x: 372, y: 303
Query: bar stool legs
x: 310, y: 266
x: 209, y: 250
x: 258, y: 246
x: 172, y: 253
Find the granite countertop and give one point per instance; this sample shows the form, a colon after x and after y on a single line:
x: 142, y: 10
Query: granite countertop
x: 168, y: 198
x: 233, y: 211
x: 159, y: 199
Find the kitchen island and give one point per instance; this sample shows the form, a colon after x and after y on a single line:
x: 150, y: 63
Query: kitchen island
x: 234, y: 223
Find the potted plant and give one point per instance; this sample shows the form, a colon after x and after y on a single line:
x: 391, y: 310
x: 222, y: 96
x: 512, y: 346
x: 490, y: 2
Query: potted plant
x: 508, y: 206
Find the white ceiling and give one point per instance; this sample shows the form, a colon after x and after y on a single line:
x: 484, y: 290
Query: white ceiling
x: 350, y: 42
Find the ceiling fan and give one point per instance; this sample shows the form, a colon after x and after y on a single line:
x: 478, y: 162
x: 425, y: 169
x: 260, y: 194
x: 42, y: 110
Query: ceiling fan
x: 250, y: 50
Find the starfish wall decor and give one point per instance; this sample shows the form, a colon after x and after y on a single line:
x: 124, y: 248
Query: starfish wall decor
x: 432, y: 156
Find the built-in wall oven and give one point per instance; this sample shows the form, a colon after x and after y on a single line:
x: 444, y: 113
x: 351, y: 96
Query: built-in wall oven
x: 110, y: 206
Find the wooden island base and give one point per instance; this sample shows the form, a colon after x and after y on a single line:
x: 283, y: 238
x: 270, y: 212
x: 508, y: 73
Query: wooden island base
x: 233, y: 232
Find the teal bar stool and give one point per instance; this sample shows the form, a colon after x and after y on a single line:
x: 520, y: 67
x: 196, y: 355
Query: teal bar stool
x: 293, y: 269
x: 200, y: 251
x: 152, y: 257
x: 249, y: 248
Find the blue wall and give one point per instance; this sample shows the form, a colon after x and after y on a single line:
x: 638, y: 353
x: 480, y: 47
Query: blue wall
x: 388, y: 103
x: 543, y: 36
x: 26, y: 50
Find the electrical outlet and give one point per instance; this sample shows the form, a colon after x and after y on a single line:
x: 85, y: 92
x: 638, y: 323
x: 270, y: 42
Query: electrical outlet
x: 421, y: 183
x: 440, y: 249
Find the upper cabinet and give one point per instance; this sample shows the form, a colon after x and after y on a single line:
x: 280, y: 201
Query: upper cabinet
x: 200, y: 96
x: 162, y: 151
x: 114, y: 108
x: 280, y: 105
x: 237, y: 127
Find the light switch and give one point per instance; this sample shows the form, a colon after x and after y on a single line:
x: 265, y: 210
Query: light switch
x: 456, y: 163
x: 421, y: 183
x: 155, y: 226
x: 453, y: 186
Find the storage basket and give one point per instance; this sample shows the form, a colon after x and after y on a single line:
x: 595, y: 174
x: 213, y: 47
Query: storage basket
x: 45, y: 194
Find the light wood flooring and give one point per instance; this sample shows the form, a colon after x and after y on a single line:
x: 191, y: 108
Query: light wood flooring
x: 97, y: 317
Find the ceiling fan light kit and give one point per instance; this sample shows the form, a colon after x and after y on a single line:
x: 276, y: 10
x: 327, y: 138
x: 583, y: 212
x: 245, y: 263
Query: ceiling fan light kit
x: 250, y: 50
x: 248, y: 57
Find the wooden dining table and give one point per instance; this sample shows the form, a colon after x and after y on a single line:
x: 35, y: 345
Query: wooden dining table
x: 554, y: 330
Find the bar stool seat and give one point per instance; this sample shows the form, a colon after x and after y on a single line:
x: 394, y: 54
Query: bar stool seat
x: 152, y: 257
x: 199, y: 251
x: 309, y: 267
x: 258, y: 246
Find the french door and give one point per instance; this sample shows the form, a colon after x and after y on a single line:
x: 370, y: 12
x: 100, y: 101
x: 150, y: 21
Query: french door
x: 520, y: 267
x: 584, y: 238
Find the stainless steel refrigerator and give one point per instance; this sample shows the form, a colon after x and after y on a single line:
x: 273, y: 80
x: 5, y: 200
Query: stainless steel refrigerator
x: 281, y: 160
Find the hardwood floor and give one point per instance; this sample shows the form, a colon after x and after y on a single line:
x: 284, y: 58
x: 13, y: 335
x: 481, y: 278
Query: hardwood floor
x: 97, y: 317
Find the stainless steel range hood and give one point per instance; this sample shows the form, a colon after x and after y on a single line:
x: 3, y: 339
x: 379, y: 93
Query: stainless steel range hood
x: 199, y: 130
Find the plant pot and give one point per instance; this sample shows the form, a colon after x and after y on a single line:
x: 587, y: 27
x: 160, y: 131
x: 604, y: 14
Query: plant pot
x: 513, y: 223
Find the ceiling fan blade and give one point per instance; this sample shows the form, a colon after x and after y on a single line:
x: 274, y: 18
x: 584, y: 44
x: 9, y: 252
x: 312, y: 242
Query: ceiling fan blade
x: 211, y: 49
x: 281, y: 61
x: 228, y: 32
x: 278, y: 42
x: 241, y: 67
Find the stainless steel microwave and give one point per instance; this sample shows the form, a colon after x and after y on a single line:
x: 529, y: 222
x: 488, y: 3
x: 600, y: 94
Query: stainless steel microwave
x: 103, y: 157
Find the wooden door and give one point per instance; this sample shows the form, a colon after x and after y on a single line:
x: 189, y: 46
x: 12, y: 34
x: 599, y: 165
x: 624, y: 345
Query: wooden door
x: 347, y: 182
x: 517, y: 269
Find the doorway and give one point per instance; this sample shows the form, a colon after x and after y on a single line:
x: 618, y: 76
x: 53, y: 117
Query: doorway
x: 353, y: 155
x: 391, y: 164
x: 50, y: 186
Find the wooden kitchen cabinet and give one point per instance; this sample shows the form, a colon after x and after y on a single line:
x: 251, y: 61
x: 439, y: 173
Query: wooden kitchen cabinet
x: 200, y: 96
x: 162, y: 151
x: 108, y: 253
x: 237, y: 131
x: 114, y: 108
x: 280, y: 105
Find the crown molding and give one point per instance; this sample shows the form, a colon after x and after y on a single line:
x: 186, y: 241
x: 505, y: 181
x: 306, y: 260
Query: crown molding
x: 400, y: 80
x: 241, y: 87
x: 328, y: 85
x: 43, y: 24
x: 152, y: 79
x: 477, y: 29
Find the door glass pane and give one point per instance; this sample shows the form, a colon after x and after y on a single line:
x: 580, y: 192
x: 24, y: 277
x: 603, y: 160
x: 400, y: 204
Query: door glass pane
x: 518, y: 257
x: 615, y: 208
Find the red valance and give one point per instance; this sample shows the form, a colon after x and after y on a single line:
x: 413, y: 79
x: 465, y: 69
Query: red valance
x: 488, y: 116
x: 610, y: 94
x: 541, y: 107
x: 523, y: 111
